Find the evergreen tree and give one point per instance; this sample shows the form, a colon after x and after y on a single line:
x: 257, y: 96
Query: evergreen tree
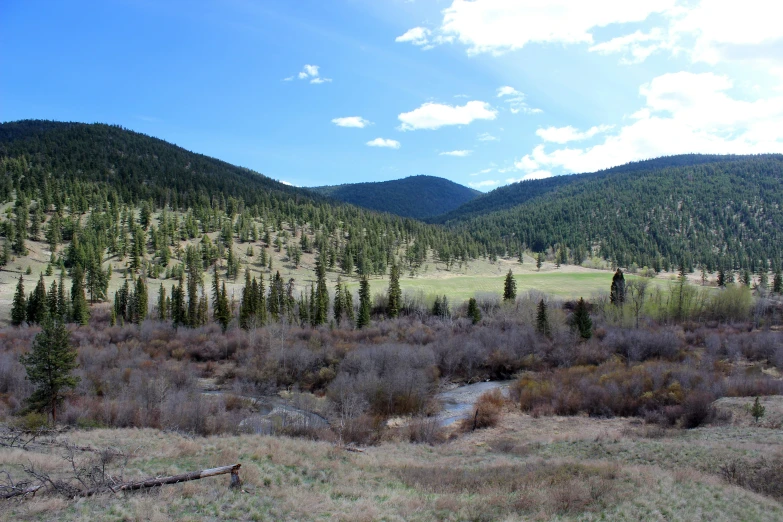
x: 395, y: 294
x: 38, y: 303
x: 617, y: 291
x: 364, y: 303
x: 321, y: 303
x: 509, y: 288
x: 162, y: 305
x: 339, y: 302
x: 49, y: 365
x: 721, y: 278
x: 62, y: 301
x: 80, y: 310
x: 142, y: 300
x: 542, y: 319
x: 19, y: 306
x: 757, y: 410
x: 581, y: 320
x: 777, y: 282
x: 539, y: 260
x: 224, y: 312
x: 474, y: 312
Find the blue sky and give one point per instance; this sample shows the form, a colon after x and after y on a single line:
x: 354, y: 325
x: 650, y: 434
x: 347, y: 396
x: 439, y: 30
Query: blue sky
x: 482, y: 92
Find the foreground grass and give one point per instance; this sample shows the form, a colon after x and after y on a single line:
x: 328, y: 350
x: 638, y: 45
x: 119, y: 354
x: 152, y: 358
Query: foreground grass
x: 553, y: 468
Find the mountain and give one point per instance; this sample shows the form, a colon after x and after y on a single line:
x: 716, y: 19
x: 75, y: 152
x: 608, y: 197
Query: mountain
x: 99, y: 177
x: 518, y: 193
x: 418, y: 197
x: 717, y: 211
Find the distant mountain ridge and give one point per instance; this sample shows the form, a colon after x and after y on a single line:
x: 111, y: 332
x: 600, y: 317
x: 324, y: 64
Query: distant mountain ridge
x: 515, y: 194
x: 418, y: 197
x: 713, y: 211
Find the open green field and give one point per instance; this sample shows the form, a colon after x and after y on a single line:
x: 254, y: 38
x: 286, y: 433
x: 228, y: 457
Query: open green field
x: 568, y: 284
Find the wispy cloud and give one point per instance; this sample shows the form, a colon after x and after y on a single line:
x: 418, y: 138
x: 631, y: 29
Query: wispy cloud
x: 383, y: 142
x: 356, y: 122
x: 457, y: 153
x: 311, y: 73
x: 436, y: 115
x: 516, y: 101
x: 484, y: 184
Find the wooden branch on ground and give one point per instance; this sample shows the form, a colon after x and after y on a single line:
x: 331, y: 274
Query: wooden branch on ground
x: 174, y: 479
x: 17, y: 492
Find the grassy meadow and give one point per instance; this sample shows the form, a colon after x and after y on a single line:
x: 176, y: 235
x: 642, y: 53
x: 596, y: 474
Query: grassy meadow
x: 525, y: 468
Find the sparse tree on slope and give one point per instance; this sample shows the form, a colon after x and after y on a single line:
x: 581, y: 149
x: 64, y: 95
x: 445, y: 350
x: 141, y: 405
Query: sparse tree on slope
x: 49, y: 365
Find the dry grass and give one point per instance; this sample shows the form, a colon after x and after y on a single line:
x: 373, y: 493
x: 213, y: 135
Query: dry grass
x: 524, y: 468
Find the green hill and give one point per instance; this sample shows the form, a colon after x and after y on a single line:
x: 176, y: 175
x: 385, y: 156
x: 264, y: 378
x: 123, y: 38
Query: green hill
x: 719, y: 211
x: 418, y: 197
x: 101, y: 182
x: 518, y: 193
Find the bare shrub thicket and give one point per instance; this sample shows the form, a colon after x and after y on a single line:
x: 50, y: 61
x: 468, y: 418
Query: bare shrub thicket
x: 150, y: 375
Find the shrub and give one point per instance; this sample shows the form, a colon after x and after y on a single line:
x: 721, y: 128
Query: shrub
x: 487, y: 411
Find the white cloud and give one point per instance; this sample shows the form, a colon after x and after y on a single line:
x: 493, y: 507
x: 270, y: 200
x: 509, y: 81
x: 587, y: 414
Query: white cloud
x: 417, y: 36
x: 311, y: 72
x: 684, y: 113
x: 382, y: 142
x: 356, y: 122
x: 483, y: 171
x: 287, y: 183
x: 485, y: 136
x: 436, y: 115
x: 457, y: 153
x: 497, y: 26
x: 536, y: 174
x: 710, y: 31
x: 516, y: 100
x: 569, y: 133
x: 482, y: 184
x: 508, y: 91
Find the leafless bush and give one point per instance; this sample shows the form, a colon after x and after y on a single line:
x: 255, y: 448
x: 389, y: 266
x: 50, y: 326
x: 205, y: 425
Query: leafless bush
x: 764, y: 475
x: 486, y: 411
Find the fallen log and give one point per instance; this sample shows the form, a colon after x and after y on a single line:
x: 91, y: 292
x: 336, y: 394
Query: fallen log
x: 195, y: 475
x: 174, y: 479
x: 16, y: 492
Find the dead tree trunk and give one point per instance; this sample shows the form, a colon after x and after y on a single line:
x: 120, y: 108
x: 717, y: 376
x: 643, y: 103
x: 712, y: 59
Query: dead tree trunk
x: 174, y: 479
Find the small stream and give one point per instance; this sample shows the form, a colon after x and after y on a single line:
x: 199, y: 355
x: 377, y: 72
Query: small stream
x: 274, y: 413
x: 458, y: 402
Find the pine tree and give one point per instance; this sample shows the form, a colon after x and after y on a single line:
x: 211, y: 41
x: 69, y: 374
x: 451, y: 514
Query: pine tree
x: 509, y: 288
x: 19, y: 306
x: 339, y: 301
x: 38, y: 303
x: 617, y: 291
x: 542, y: 319
x: 395, y: 294
x: 162, y: 308
x: 757, y: 410
x: 721, y: 278
x: 142, y: 300
x: 321, y: 303
x: 539, y: 260
x: 224, y: 314
x: 364, y: 303
x: 777, y: 282
x: 474, y: 312
x: 49, y: 365
x: 581, y: 320
x: 80, y: 310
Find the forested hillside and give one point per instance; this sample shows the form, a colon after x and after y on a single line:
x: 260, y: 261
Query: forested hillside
x: 418, y: 197
x: 518, y: 193
x: 103, y: 183
x: 718, y: 212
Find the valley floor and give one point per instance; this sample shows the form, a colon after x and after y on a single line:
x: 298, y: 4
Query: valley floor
x: 547, y: 468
